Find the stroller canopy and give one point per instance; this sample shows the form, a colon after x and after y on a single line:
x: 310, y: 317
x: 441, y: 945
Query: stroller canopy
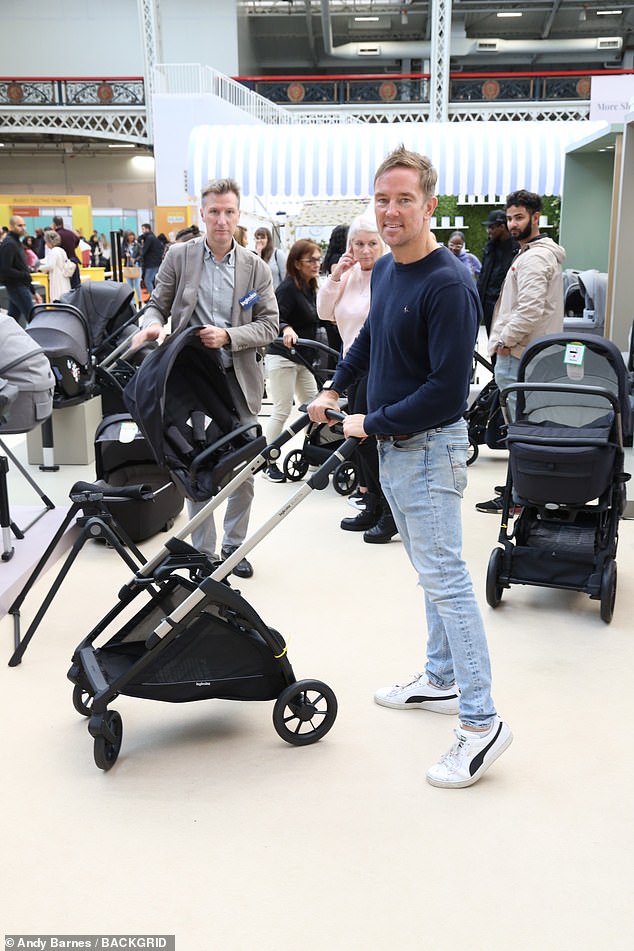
x: 61, y: 330
x: 106, y: 305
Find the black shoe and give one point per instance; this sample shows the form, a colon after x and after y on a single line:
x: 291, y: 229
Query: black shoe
x: 366, y: 518
x: 244, y: 568
x: 273, y: 473
x: 496, y: 506
x: 384, y: 530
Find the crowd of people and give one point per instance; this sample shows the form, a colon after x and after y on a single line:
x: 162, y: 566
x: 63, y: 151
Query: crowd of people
x: 403, y: 314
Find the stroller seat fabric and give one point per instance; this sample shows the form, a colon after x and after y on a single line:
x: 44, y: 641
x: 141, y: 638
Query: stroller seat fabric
x: 181, y: 401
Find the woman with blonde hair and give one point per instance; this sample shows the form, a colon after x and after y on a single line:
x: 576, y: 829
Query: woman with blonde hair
x: 55, y: 263
x: 345, y: 299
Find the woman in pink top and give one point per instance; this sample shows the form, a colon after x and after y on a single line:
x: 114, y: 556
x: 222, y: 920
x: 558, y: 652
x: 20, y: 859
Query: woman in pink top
x: 345, y: 299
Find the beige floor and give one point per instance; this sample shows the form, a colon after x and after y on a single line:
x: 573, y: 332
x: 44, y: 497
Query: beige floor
x: 211, y: 828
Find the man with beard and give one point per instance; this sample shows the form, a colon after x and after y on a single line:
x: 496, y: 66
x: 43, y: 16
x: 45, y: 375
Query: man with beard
x: 531, y: 302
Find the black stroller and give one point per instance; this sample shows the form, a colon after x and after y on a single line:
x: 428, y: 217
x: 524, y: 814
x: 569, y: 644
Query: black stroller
x: 485, y: 422
x: 565, y: 439
x: 194, y: 637
x: 320, y: 440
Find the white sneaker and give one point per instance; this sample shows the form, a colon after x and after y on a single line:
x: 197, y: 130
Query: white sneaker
x: 470, y: 756
x: 419, y: 694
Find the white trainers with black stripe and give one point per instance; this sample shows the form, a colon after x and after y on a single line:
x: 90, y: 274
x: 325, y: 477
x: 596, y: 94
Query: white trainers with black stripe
x: 470, y: 756
x: 419, y: 694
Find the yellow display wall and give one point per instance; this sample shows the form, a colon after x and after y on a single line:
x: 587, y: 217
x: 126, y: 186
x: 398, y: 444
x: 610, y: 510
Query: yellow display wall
x: 80, y: 205
x: 173, y: 218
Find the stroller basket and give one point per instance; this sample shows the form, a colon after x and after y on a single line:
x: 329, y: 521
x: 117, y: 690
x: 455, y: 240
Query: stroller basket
x: 212, y: 657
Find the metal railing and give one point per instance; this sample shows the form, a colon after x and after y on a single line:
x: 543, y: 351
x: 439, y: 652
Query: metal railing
x: 193, y: 79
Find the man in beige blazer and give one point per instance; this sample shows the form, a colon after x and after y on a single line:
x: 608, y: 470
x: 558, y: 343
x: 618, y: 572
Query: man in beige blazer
x: 227, y: 291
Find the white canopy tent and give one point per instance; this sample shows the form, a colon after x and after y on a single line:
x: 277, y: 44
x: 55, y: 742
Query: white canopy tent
x: 295, y: 163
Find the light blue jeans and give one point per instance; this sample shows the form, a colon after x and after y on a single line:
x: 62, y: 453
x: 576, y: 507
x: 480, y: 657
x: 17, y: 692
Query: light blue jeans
x: 423, y: 479
x: 506, y: 370
x: 135, y: 284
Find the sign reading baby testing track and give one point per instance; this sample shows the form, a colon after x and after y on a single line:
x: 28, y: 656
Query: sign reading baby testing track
x: 45, y: 942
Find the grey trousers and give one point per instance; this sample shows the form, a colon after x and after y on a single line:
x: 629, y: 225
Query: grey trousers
x: 238, y: 510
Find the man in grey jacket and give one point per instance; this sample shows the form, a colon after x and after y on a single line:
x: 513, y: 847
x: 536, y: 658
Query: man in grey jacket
x: 227, y: 291
x: 531, y: 302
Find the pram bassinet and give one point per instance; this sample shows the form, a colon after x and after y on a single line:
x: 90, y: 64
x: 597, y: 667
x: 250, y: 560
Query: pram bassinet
x: 565, y: 471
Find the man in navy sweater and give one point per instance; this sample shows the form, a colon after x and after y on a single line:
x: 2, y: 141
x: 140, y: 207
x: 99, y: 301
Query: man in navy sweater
x: 417, y: 348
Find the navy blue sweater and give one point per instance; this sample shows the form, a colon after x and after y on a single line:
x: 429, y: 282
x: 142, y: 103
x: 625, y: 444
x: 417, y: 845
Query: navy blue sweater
x: 416, y: 345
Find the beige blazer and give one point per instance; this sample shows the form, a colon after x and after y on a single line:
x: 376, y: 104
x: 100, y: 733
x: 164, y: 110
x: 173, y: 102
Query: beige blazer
x: 252, y: 327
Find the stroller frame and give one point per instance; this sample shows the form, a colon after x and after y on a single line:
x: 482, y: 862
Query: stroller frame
x: 585, y: 532
x: 304, y: 710
x: 483, y: 415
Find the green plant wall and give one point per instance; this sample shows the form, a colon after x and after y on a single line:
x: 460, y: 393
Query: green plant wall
x: 473, y: 215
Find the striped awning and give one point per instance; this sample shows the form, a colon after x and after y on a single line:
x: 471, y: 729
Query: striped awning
x: 295, y: 162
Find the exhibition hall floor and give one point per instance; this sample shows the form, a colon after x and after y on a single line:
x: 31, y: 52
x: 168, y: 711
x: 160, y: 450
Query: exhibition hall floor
x: 211, y: 828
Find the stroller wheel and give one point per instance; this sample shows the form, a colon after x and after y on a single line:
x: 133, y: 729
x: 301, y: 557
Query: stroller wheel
x: 345, y: 478
x: 473, y: 453
x: 304, y: 712
x: 493, y: 587
x: 82, y: 699
x: 295, y: 466
x: 608, y: 591
x: 108, y: 733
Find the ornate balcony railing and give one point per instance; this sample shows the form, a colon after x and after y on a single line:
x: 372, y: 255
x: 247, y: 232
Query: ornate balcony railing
x: 409, y: 94
x: 97, y: 107
x: 18, y: 93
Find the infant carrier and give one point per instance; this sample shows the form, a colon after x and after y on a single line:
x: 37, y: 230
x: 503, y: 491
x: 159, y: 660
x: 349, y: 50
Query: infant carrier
x: 26, y: 401
x: 193, y: 637
x: 26, y: 380
x: 123, y: 458
x: 79, y: 331
x: 565, y: 474
x: 584, y: 301
x: 320, y: 439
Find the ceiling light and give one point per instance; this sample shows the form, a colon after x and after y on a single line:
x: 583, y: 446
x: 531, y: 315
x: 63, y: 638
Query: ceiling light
x: 510, y: 13
x: 366, y: 19
x: 608, y: 13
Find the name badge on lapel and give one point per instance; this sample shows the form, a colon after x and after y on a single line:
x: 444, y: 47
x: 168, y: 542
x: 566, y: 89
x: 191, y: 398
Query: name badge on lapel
x: 249, y: 299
